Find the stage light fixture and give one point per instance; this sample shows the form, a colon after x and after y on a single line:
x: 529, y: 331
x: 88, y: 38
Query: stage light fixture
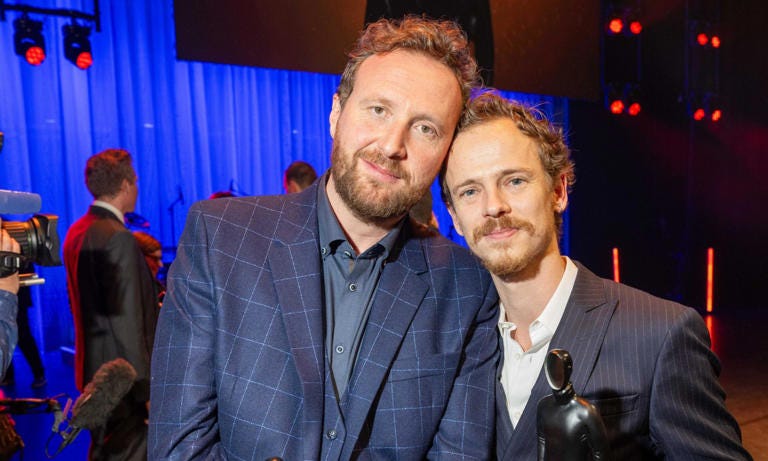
x: 634, y: 109
x: 717, y: 114
x: 77, y: 45
x: 635, y: 27
x: 699, y: 114
x: 702, y: 39
x: 616, y: 25
x: 28, y: 40
x: 715, y: 41
x: 617, y: 106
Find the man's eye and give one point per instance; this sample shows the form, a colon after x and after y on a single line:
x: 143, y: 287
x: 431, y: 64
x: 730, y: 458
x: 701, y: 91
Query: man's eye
x: 378, y: 110
x: 516, y: 181
x: 427, y: 130
x: 468, y: 193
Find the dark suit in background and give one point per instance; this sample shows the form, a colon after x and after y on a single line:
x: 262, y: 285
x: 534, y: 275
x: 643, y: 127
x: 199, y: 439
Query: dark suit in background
x: 240, y: 368
x: 646, y: 364
x: 113, y: 300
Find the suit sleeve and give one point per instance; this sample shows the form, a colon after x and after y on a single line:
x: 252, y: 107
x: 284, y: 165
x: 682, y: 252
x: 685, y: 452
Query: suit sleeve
x: 125, y: 298
x: 468, y: 425
x: 183, y: 420
x: 8, y: 328
x: 688, y: 417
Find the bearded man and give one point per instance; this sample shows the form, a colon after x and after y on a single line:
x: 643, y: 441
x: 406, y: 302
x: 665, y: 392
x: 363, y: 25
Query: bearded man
x: 644, y: 362
x: 326, y: 324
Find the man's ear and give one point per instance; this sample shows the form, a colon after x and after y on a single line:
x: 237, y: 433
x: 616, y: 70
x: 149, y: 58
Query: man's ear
x: 333, y: 118
x: 560, y: 194
x: 456, y: 224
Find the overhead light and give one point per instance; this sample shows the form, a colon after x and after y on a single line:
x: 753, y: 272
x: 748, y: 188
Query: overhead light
x: 77, y: 45
x: 28, y: 40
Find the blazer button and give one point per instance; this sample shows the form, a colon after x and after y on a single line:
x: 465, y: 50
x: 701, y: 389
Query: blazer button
x: 331, y: 434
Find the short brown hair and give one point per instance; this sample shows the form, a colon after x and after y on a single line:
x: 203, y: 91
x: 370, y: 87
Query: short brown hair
x: 442, y: 40
x: 105, y: 171
x: 553, y: 152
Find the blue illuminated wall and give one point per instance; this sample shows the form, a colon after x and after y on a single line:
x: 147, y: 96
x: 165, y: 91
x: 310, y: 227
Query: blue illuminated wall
x: 193, y: 128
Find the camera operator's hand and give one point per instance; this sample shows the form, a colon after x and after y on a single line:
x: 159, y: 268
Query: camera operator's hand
x: 7, y: 243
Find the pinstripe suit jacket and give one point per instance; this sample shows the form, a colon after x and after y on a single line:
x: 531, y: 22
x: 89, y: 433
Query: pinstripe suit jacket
x: 239, y: 368
x: 646, y: 364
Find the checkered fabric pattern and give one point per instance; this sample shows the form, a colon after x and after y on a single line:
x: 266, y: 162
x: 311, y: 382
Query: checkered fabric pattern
x: 239, y: 371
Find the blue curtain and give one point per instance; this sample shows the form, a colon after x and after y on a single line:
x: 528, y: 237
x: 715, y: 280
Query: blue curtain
x: 193, y: 128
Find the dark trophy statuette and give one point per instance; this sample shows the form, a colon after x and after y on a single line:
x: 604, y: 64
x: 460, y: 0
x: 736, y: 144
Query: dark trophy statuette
x: 569, y: 428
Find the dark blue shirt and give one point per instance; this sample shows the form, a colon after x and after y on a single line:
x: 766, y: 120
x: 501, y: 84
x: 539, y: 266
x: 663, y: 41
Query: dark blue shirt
x: 349, y: 281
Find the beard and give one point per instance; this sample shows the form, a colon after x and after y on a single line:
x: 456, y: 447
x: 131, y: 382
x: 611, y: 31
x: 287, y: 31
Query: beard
x: 368, y: 199
x: 506, y: 259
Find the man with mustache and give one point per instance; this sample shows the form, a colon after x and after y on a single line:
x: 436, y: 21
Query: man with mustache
x: 644, y: 362
x: 325, y: 324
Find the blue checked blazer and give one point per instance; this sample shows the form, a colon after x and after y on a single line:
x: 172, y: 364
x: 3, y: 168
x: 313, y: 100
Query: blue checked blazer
x: 238, y: 369
x: 646, y: 364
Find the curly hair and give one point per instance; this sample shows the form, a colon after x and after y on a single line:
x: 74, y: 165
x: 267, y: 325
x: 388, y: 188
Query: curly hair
x: 442, y: 40
x: 553, y: 152
x: 105, y: 172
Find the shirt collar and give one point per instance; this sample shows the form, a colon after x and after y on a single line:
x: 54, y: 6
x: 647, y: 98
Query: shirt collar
x: 110, y: 207
x: 545, y: 325
x: 330, y: 231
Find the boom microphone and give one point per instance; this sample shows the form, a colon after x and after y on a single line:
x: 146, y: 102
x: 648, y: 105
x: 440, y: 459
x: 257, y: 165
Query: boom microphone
x: 107, y: 388
x: 92, y: 409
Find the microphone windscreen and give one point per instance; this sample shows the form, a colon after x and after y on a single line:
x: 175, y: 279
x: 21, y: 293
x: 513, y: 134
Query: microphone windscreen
x: 12, y: 202
x: 109, y: 385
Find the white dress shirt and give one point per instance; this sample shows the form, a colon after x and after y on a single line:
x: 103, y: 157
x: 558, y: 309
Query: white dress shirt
x: 111, y: 208
x: 521, y: 368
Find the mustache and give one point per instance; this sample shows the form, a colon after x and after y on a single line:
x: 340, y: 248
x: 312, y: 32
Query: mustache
x: 381, y: 160
x: 503, y: 222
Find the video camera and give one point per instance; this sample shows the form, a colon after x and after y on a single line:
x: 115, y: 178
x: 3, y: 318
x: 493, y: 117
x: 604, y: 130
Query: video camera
x: 37, y: 237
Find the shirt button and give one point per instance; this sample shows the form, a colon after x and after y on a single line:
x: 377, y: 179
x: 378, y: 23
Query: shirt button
x: 347, y: 254
x: 323, y: 250
x: 352, y: 287
x: 331, y: 434
x: 339, y: 349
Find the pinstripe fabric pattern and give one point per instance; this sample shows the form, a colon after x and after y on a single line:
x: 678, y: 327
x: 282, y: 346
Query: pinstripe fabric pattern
x: 646, y: 364
x: 239, y: 367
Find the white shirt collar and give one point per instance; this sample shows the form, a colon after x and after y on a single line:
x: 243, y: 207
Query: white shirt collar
x: 553, y: 311
x: 111, y: 208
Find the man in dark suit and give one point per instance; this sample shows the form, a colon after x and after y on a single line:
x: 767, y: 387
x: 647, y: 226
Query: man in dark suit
x: 113, y: 300
x: 325, y: 324
x: 644, y: 362
x: 9, y: 286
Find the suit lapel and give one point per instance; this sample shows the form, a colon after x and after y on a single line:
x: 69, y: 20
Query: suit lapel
x: 398, y: 296
x: 297, y: 274
x: 580, y: 332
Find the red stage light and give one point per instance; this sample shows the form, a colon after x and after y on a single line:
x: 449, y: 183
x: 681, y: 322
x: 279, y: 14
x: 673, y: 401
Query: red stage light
x: 635, y: 27
x: 616, y: 277
x: 710, y: 276
x: 699, y: 114
x: 617, y: 106
x: 616, y: 25
x: 84, y: 60
x: 715, y: 41
x: 702, y: 39
x: 35, y: 55
x: 634, y: 109
x: 717, y: 114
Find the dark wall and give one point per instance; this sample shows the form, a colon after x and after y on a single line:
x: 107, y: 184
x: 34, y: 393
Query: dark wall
x: 663, y: 188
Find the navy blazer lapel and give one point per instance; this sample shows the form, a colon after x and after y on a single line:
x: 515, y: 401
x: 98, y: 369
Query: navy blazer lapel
x: 397, y: 298
x: 580, y: 332
x: 294, y: 260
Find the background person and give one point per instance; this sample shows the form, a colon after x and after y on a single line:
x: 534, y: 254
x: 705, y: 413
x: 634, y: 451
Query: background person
x: 113, y: 300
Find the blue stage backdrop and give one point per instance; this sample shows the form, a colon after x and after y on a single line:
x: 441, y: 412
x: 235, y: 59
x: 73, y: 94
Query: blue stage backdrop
x: 193, y: 128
